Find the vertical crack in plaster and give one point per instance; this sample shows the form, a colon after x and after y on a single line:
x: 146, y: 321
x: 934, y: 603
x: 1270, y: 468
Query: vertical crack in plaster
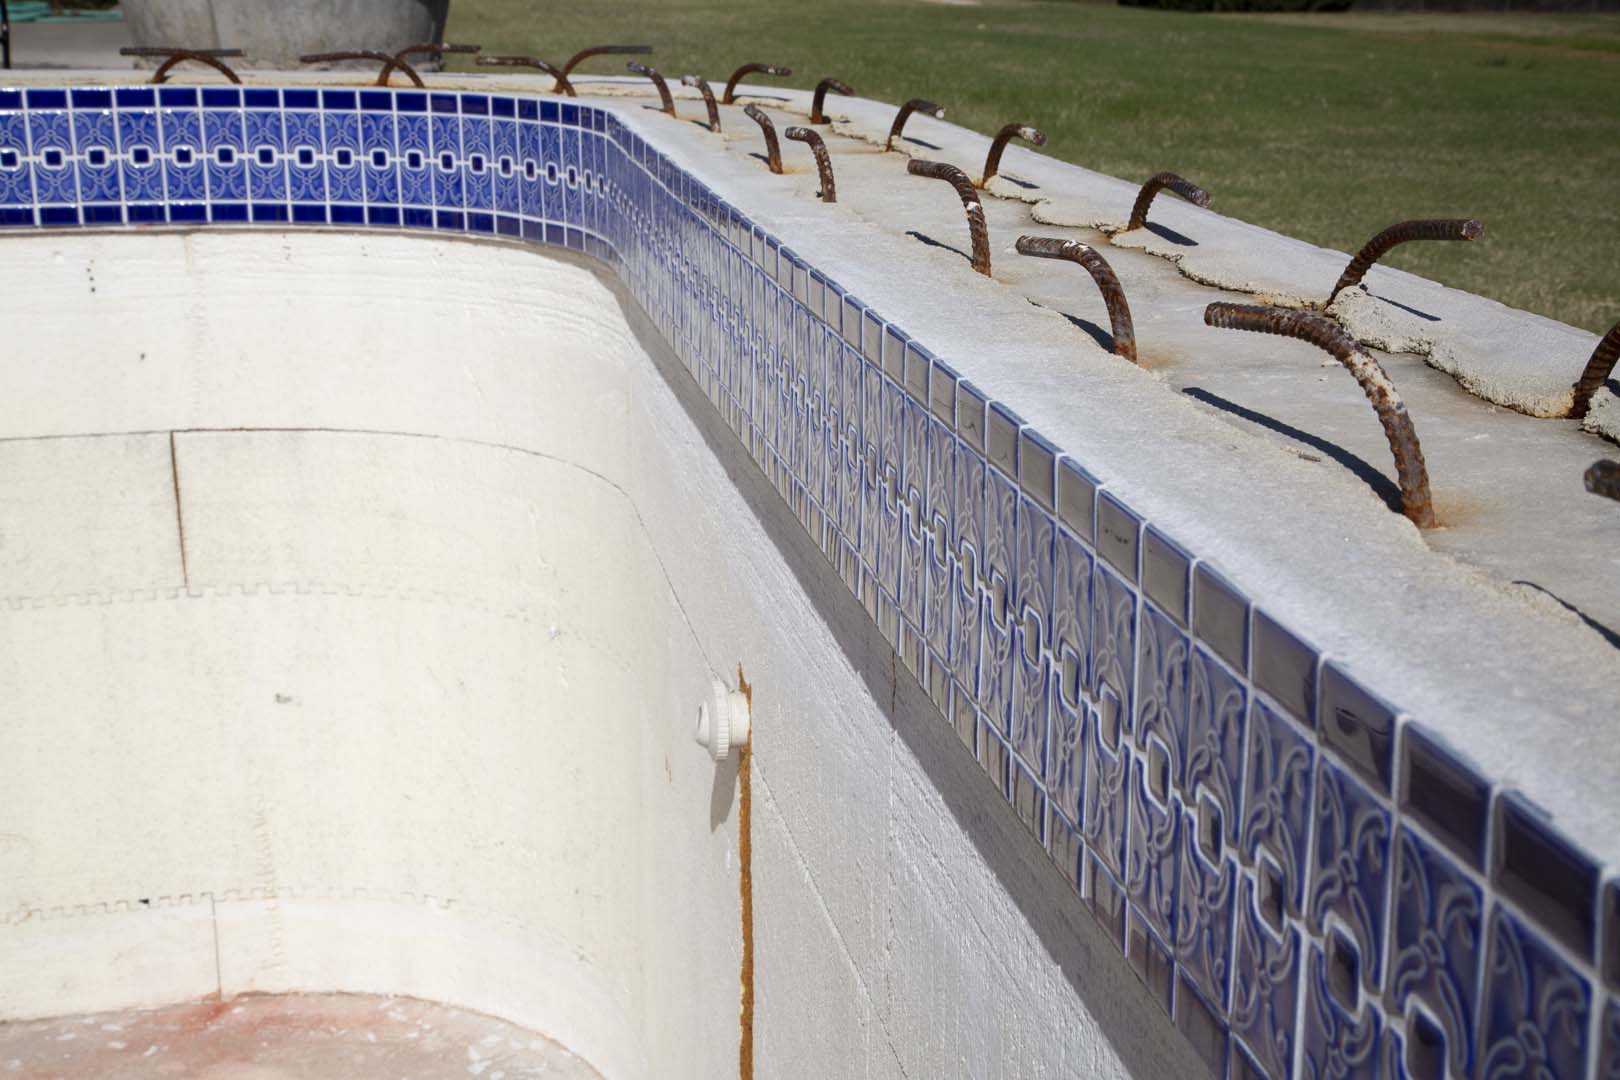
x: 179, y: 514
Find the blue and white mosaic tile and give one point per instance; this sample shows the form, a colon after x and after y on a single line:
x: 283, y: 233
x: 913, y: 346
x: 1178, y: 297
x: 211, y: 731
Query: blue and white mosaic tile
x: 1309, y: 882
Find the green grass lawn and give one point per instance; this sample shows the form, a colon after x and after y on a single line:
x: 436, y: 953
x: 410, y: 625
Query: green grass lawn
x: 1326, y: 127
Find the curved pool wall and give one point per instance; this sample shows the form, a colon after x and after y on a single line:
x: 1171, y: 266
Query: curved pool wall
x: 1302, y: 874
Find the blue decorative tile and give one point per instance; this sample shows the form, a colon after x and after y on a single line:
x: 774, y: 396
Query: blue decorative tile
x: 478, y: 170
x: 1436, y: 948
x: 506, y: 165
x: 1265, y: 992
x: 226, y: 160
x: 1104, y: 813
x: 1536, y: 1009
x: 1350, y: 866
x: 1067, y: 758
x: 444, y: 133
x: 1205, y: 897
x: 342, y: 152
x: 1277, y: 798
x: 1071, y: 616
x: 306, y: 176
x: 16, y: 177
x: 1150, y: 845
x: 51, y: 135
x: 1213, y: 754
x: 1341, y: 1040
x: 1031, y: 697
x: 1161, y: 707
x: 266, y: 144
x: 95, y: 135
x: 183, y: 171
x: 1113, y: 628
x: 941, y: 503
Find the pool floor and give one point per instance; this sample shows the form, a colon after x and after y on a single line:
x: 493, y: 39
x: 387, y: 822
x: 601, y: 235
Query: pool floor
x: 281, y: 1036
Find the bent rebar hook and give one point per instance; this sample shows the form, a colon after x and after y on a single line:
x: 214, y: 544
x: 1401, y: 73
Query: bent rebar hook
x: 1422, y: 229
x: 561, y: 84
x: 730, y: 94
x: 977, y: 230
x: 390, y: 64
x: 1328, y: 335
x: 1113, y: 293
x: 1157, y: 183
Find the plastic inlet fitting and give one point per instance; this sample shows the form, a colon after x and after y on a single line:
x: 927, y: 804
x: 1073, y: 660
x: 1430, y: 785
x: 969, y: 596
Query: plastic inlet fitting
x: 722, y: 722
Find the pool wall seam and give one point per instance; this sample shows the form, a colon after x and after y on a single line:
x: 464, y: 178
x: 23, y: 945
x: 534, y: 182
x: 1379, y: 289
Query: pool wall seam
x: 1242, y: 814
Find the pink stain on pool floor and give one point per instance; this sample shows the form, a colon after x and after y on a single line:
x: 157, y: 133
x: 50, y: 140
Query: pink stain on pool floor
x: 282, y: 1036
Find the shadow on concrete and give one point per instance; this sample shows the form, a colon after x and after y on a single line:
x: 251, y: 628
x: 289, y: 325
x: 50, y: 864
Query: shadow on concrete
x: 1171, y: 235
x: 1385, y: 488
x: 931, y: 242
x: 1409, y: 310
x: 1608, y: 634
x: 1098, y: 334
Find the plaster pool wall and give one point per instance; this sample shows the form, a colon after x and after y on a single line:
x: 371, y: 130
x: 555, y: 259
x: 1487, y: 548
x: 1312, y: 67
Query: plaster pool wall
x: 414, y: 716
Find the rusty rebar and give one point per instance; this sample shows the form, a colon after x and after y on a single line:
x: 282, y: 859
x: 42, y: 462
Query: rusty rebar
x: 999, y: 143
x: 938, y: 170
x: 708, y: 98
x: 829, y: 191
x: 658, y: 81
x: 773, y: 150
x: 1159, y: 182
x: 749, y: 69
x: 176, y: 55
x: 1113, y: 293
x: 900, y: 118
x: 1422, y: 229
x: 1603, y: 478
x: 562, y: 84
x: 390, y: 64
x: 820, y: 98
x: 604, y: 50
x: 1596, y: 371
x: 1328, y: 335
x: 423, y: 48
x: 436, y: 48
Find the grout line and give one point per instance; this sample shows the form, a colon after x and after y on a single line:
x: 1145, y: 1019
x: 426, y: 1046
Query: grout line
x: 179, y: 514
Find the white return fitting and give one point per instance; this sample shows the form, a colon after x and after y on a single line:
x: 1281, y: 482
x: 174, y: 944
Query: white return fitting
x: 722, y: 722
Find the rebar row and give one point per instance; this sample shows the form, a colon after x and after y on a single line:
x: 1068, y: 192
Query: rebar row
x: 1604, y: 477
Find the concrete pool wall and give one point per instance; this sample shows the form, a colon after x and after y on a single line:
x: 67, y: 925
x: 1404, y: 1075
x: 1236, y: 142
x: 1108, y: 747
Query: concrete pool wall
x: 1248, y: 816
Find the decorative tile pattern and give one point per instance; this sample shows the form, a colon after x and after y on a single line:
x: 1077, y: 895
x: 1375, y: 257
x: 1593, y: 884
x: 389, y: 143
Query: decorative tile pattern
x: 1310, y: 883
